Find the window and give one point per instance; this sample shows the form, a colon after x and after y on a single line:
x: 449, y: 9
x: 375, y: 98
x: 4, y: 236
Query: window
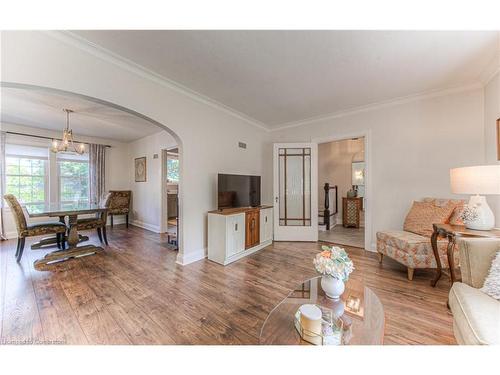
x: 73, y: 172
x: 172, y: 170
x: 27, y: 175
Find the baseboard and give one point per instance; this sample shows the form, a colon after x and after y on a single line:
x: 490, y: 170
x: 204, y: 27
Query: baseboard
x: 150, y: 227
x: 193, y: 256
x: 116, y: 220
x: 11, y: 235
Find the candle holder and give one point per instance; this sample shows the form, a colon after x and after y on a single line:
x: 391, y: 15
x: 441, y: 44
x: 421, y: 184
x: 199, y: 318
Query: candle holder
x: 332, y: 329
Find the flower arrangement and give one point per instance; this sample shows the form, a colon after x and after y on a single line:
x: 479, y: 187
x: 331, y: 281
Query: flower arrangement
x: 335, y: 262
x: 469, y: 214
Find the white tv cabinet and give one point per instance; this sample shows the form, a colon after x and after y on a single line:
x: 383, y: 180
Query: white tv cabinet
x: 234, y: 233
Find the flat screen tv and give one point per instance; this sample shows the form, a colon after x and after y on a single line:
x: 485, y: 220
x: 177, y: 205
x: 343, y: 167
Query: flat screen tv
x: 237, y: 191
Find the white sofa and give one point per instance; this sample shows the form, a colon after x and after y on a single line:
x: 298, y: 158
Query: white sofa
x: 476, y: 316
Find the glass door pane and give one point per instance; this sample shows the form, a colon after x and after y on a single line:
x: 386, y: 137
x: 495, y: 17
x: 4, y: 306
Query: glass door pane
x: 294, y: 186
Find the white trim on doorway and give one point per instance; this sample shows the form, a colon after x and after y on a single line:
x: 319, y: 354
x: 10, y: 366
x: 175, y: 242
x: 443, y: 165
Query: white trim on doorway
x: 369, y: 245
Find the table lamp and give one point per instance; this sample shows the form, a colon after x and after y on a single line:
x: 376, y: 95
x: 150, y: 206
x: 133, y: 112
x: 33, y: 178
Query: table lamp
x: 478, y: 180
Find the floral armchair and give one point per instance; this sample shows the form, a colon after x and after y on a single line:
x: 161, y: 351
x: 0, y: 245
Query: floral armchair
x: 412, y: 245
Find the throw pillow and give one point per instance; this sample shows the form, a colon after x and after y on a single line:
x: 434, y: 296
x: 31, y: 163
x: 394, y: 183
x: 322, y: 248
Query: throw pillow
x: 455, y: 218
x: 423, y: 214
x: 492, y: 283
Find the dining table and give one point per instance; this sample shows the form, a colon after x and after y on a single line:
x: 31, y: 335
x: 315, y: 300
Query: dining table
x: 67, y: 213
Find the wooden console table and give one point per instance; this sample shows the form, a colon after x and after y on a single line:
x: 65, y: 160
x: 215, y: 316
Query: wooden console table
x: 452, y: 232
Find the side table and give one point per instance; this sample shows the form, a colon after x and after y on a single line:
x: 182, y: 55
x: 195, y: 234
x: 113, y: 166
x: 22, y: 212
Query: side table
x: 452, y: 232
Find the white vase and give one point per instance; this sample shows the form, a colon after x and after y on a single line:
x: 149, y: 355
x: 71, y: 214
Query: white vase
x: 332, y: 286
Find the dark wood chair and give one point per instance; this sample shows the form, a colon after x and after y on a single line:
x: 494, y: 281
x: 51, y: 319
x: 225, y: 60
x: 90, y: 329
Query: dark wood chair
x: 30, y: 230
x: 98, y: 222
x: 119, y: 204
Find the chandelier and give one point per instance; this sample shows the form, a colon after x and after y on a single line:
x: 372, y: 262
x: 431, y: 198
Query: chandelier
x: 67, y: 144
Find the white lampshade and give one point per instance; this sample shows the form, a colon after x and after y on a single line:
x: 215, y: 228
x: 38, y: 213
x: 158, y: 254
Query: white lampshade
x: 481, y: 179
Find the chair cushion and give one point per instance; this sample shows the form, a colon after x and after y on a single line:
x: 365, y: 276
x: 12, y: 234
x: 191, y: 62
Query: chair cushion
x: 412, y: 250
x: 89, y: 223
x: 475, y: 315
x: 423, y: 214
x: 39, y: 229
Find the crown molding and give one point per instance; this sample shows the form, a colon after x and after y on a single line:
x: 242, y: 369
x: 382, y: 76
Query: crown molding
x: 491, y: 70
x: 379, y: 105
x: 124, y: 63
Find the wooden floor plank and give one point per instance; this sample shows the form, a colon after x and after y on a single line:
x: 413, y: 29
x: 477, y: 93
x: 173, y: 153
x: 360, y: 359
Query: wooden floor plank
x: 59, y: 321
x: 21, y: 320
x: 135, y: 293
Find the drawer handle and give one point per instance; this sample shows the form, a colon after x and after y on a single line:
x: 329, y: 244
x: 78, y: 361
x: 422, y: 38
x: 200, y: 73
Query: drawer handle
x: 236, y: 227
x: 266, y: 219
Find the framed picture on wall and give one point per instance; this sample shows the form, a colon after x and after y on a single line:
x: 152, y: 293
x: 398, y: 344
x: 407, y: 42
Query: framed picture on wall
x: 498, y: 139
x: 140, y: 169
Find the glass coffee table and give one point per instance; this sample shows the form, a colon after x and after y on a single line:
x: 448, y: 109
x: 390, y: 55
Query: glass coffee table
x: 359, y: 309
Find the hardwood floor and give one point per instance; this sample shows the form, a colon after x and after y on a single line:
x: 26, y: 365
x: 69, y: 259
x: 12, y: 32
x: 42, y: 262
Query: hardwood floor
x: 135, y: 293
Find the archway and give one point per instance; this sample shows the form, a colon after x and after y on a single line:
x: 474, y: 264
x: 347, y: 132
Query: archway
x: 130, y: 112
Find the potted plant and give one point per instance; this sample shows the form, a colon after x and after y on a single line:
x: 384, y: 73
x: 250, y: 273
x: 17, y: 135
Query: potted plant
x: 335, y: 266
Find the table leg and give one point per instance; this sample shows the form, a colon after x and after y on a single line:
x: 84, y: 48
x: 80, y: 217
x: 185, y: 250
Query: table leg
x: 72, y: 233
x: 451, y: 261
x: 439, y: 269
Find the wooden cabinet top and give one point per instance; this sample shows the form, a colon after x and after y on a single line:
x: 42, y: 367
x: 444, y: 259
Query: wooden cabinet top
x: 237, y: 210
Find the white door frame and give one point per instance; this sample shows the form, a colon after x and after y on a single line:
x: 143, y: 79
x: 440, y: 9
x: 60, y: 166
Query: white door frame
x: 296, y: 233
x: 164, y: 196
x: 368, y: 204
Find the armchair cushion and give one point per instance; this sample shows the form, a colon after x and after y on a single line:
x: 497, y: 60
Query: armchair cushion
x: 455, y: 218
x: 492, y: 283
x: 475, y: 316
x: 476, y: 256
x: 423, y: 214
x: 410, y: 249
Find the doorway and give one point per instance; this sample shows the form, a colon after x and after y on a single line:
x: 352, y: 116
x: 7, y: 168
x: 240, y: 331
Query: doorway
x: 170, y: 195
x: 342, y: 191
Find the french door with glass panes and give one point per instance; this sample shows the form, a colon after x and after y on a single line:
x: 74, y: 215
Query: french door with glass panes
x: 295, y: 191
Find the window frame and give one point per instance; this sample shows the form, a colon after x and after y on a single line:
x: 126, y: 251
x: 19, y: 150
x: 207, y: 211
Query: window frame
x: 46, y: 177
x: 59, y: 178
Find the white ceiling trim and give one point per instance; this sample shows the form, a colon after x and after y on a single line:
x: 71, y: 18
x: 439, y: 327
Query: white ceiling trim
x: 491, y: 70
x: 107, y: 55
x: 384, y: 104
x: 79, y: 42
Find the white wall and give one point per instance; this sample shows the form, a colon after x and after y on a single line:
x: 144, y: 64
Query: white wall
x: 411, y: 147
x: 147, y: 197
x: 207, y: 134
x: 116, y: 179
x: 335, y: 167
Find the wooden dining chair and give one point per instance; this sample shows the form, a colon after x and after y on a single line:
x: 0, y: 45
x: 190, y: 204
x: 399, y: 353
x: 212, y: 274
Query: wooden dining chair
x: 30, y: 230
x: 98, y: 222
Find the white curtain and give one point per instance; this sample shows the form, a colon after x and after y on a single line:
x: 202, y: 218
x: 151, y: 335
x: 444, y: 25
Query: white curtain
x: 97, y: 167
x: 3, y: 136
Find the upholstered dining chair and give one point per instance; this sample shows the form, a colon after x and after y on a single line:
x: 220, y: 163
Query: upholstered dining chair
x: 119, y: 204
x: 98, y: 222
x: 30, y: 230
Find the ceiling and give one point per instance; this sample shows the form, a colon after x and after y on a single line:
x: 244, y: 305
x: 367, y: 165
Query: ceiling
x: 280, y: 77
x: 44, y: 109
